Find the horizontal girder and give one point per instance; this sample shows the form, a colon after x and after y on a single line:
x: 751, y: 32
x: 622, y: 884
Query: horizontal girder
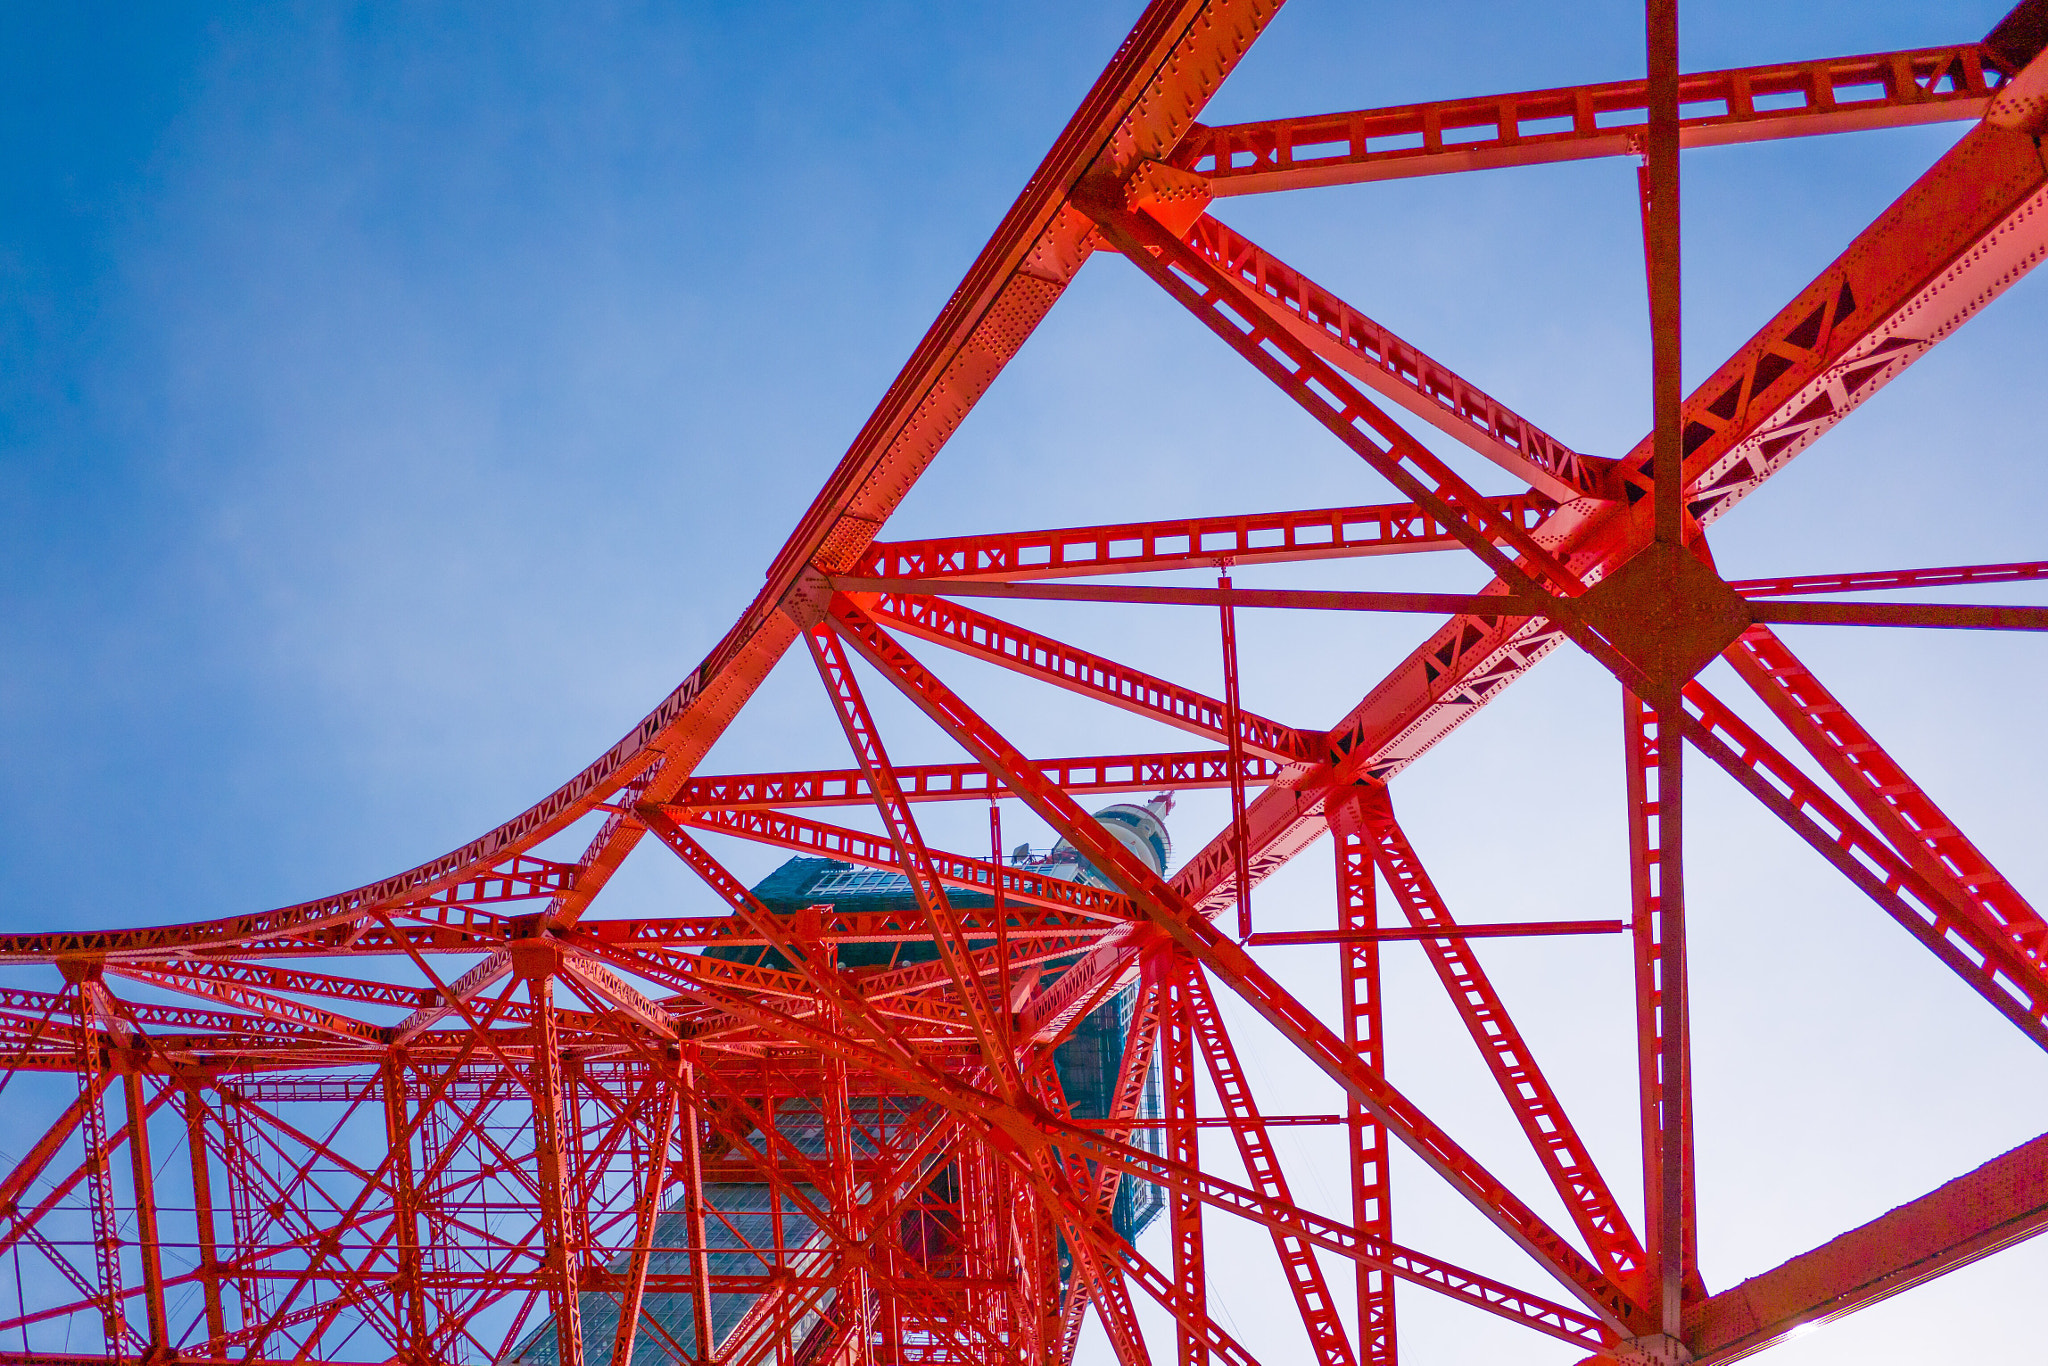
x: 1572, y: 123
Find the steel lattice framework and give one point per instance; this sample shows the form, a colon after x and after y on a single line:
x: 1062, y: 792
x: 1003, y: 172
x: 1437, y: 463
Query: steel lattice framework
x: 521, y: 1151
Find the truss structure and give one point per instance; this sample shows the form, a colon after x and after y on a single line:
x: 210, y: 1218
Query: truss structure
x: 462, y: 1115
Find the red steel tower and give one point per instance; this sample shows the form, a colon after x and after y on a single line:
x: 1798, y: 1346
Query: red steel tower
x: 463, y: 1114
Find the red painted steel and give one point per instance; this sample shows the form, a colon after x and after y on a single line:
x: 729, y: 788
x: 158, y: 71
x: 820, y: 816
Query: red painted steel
x: 1602, y: 1224
x: 1326, y: 1338
x: 1040, y: 657
x: 1176, y: 772
x: 1193, y: 542
x: 1969, y: 942
x: 1225, y: 596
x: 1998, y: 1204
x: 1882, y: 580
x: 1378, y: 934
x: 1890, y: 799
x: 1367, y: 1153
x: 1748, y: 104
x: 1232, y: 727
x: 494, y: 1115
x: 1368, y: 352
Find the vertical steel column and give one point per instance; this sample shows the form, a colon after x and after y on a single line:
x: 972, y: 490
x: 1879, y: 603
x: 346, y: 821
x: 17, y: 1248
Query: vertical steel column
x: 1004, y: 1022
x: 405, y: 1213
x: 1240, y: 832
x: 1328, y: 1343
x: 645, y: 1218
x: 1662, y: 1048
x: 777, y: 1229
x: 106, y: 1241
x: 889, y: 1304
x: 1659, y: 874
x: 1359, y: 968
x: 1177, y: 1072
x: 694, y: 1220
x: 838, y: 1118
x: 889, y: 1319
x: 575, y: 1157
x: 202, y: 1209
x: 1661, y: 244
x: 1038, y: 1282
x: 558, y: 1270
x: 970, y: 1234
x: 245, y: 1214
x: 148, y: 1236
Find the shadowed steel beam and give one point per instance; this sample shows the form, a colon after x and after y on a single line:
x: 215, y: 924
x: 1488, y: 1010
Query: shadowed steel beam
x: 2001, y: 1203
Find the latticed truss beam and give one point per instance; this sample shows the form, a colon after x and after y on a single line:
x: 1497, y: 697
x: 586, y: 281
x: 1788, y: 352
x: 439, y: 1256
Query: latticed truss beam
x: 1233, y: 966
x: 1184, y: 543
x: 1395, y: 369
x: 1532, y: 127
x: 1937, y: 256
x: 1528, y: 1092
x: 1972, y: 946
x: 1037, y: 656
x: 1177, y: 772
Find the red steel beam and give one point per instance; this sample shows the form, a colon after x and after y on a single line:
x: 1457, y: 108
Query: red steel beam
x: 1955, y: 240
x: 1663, y: 1044
x: 1980, y: 953
x: 413, y: 1341
x: 1232, y: 965
x: 551, y: 1139
x: 1232, y: 713
x: 1246, y: 320
x: 1033, y: 654
x: 1225, y: 595
x: 1327, y: 1342
x: 1177, y: 771
x: 208, y: 980
x: 1177, y: 1104
x: 148, y: 1231
x: 1664, y: 1011
x: 1563, y: 1154
x: 1938, y: 615
x: 106, y: 1242
x: 1533, y: 127
x: 1883, y: 791
x: 2001, y: 1203
x: 1183, y: 543
x: 1517, y: 930
x: 1364, y: 1033
x: 805, y: 836
x: 1397, y: 370
x: 1883, y: 580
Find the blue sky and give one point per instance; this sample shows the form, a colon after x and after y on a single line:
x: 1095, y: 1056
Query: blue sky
x: 396, y: 401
